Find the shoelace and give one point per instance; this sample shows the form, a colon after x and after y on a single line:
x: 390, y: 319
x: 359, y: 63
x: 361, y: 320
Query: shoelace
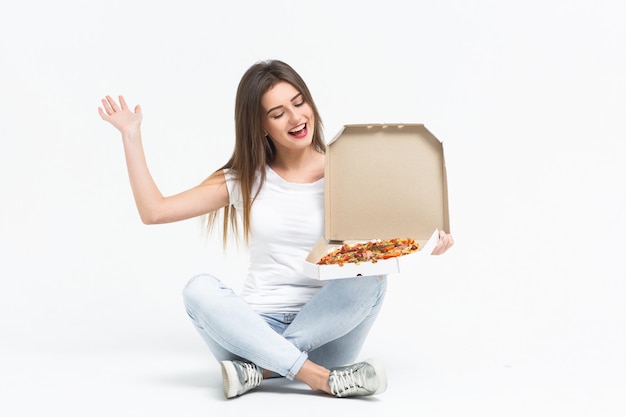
x: 252, y: 375
x: 346, y: 382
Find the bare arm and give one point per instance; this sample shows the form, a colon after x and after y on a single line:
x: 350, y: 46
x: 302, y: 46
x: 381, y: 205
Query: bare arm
x: 153, y: 207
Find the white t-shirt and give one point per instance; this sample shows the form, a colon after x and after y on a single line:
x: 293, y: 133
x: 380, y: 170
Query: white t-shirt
x: 286, y: 221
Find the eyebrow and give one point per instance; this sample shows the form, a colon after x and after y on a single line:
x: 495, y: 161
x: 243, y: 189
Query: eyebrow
x: 278, y: 107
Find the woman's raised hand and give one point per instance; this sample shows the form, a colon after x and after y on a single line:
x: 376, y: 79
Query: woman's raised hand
x: 120, y: 115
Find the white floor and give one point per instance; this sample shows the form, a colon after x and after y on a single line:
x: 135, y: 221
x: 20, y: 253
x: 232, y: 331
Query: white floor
x: 443, y: 358
x: 122, y: 383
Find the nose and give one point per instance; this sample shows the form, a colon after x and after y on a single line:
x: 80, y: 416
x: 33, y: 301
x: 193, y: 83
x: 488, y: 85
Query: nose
x: 293, y: 115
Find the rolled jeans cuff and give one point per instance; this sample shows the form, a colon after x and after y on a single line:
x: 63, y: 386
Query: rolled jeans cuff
x: 297, y: 366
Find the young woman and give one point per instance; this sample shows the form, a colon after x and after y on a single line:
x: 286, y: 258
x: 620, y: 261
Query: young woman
x: 271, y: 192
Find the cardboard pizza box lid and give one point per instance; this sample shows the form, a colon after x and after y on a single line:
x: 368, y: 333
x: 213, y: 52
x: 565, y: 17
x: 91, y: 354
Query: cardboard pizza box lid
x: 382, y: 181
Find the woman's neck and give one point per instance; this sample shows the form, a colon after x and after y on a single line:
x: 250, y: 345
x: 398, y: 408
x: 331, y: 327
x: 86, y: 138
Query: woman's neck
x: 303, y: 167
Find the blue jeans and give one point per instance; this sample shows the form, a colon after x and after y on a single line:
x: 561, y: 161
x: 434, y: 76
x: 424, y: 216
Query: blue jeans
x: 329, y: 330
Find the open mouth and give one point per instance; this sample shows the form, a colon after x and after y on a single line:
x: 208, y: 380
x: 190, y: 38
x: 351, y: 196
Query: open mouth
x: 299, y: 131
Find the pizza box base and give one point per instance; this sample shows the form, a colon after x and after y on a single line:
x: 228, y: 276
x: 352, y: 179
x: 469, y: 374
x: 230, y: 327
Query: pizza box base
x: 351, y: 270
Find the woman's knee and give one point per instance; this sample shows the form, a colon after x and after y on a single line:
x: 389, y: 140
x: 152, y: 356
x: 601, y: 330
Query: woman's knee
x: 198, y: 288
x: 370, y: 286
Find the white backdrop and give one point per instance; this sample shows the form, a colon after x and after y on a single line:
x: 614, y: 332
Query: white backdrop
x: 528, y: 98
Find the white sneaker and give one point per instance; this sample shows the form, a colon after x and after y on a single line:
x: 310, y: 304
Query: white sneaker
x: 361, y: 379
x: 240, y: 377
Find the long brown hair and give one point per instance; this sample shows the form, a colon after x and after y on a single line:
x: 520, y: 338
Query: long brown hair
x: 253, y: 150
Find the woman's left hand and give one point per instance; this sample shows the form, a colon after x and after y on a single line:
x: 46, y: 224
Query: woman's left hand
x: 445, y: 242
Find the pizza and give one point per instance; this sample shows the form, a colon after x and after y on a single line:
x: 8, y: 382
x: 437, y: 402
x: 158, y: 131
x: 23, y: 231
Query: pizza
x: 372, y: 251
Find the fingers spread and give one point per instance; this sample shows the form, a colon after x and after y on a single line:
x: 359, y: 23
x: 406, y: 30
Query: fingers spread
x: 112, y: 104
x: 109, y: 105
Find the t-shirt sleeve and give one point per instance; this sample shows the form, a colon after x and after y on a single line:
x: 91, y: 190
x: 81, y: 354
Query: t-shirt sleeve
x: 234, y: 190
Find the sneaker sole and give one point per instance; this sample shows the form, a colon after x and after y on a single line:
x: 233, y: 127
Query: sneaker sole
x: 380, y: 373
x: 229, y: 373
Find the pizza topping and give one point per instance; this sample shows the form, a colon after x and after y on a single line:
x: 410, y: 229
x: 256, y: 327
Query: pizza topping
x: 369, y: 251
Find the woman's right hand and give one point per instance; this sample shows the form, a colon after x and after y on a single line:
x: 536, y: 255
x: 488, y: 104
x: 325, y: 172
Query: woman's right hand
x: 153, y: 207
x: 120, y: 116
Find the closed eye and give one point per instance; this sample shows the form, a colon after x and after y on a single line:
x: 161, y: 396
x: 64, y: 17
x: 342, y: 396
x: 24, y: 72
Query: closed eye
x: 295, y: 104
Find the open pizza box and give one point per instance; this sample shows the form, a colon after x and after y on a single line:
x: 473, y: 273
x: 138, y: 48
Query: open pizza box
x: 382, y: 181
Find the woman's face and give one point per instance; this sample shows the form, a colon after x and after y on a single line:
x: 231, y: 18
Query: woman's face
x: 288, y: 119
